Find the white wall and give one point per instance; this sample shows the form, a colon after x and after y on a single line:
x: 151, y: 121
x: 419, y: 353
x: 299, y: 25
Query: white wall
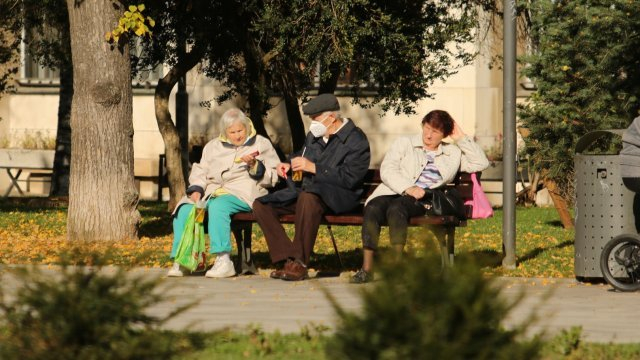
x: 31, y: 115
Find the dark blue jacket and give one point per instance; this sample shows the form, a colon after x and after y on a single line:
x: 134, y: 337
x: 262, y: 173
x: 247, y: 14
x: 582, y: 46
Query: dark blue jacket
x: 341, y: 165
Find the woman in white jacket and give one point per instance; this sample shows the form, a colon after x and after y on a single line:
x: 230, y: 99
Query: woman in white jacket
x: 235, y: 169
x: 413, y: 164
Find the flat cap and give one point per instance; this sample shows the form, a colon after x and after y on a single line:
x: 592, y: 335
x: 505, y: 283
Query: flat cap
x: 320, y: 104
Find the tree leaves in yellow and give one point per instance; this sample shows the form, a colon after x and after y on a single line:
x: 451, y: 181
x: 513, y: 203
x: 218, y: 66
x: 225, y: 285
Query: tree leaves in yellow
x: 132, y: 20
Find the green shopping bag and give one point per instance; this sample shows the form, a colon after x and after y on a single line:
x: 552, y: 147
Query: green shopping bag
x: 191, y: 250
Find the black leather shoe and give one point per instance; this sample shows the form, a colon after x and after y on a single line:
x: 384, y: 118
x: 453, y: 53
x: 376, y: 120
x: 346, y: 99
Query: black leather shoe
x: 361, y: 277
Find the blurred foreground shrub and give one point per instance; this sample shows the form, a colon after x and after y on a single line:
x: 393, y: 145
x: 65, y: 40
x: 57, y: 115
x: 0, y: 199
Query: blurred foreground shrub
x: 85, y: 313
x: 416, y: 311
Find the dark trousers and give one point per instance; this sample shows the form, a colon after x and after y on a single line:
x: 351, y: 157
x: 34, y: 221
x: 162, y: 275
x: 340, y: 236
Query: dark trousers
x: 394, y: 210
x: 308, y: 210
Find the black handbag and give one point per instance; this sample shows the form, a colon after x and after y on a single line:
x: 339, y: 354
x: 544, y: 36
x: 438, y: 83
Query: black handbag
x: 443, y: 202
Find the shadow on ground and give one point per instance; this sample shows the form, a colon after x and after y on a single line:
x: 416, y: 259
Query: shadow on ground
x: 483, y: 258
x: 555, y: 223
x: 33, y: 204
x: 493, y: 258
x: 156, y: 217
x: 537, y: 251
x: 326, y: 264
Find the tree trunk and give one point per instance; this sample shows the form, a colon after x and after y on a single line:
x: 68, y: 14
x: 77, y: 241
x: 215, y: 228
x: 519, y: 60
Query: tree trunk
x: 168, y: 130
x: 329, y: 85
x: 533, y: 188
x: 62, y: 160
x: 258, y: 98
x: 102, y: 193
x: 290, y: 95
x: 560, y: 204
x: 182, y: 107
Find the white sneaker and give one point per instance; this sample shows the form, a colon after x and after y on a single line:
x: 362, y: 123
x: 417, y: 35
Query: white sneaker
x: 175, y: 271
x: 222, y: 268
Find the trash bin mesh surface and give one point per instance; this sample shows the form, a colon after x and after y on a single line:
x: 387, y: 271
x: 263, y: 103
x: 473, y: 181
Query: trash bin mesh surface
x: 604, y: 209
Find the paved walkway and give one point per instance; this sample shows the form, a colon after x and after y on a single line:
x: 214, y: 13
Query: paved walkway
x: 605, y: 315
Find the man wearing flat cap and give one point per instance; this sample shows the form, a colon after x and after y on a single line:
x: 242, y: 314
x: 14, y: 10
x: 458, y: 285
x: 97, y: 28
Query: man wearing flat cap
x: 334, y: 161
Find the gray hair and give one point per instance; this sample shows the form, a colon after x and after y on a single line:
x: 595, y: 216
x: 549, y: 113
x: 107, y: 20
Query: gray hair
x: 233, y: 116
x: 335, y: 114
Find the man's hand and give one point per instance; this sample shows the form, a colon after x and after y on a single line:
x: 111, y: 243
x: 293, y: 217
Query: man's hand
x: 415, y: 192
x: 282, y: 169
x: 304, y: 164
x: 195, y: 196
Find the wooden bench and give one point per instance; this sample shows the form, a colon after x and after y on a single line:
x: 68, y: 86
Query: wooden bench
x: 443, y: 227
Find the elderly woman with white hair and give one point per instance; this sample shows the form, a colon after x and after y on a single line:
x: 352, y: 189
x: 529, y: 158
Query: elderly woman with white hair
x: 235, y: 169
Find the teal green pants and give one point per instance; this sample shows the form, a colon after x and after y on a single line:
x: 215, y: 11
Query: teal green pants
x: 219, y: 210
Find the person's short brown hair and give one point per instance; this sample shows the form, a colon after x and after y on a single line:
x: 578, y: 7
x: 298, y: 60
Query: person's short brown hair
x: 439, y: 119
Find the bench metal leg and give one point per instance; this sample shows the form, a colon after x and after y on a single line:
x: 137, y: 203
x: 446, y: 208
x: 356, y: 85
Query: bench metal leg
x: 242, y: 233
x: 335, y: 247
x: 451, y: 237
x: 446, y: 238
x: 14, y: 182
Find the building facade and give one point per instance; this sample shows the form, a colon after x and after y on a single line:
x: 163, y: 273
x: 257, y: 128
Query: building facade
x: 28, y: 116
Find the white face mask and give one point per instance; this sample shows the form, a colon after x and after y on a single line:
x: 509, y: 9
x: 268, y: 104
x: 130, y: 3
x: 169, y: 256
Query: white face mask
x: 317, y: 129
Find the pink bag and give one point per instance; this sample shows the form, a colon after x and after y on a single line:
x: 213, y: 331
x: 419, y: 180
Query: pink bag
x: 481, y: 205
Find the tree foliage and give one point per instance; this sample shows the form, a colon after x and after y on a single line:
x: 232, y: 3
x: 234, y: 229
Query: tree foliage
x: 44, y: 23
x: 401, y: 47
x: 86, y: 313
x: 586, y: 66
x: 132, y: 21
x: 9, y: 42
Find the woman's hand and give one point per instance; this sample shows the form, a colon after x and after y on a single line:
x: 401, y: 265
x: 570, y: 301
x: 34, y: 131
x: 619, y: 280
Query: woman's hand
x: 195, y: 196
x: 457, y: 132
x: 282, y: 169
x: 250, y: 159
x: 415, y: 192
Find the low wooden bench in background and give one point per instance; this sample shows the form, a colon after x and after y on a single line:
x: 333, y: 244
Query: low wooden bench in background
x: 33, y: 161
x: 443, y: 227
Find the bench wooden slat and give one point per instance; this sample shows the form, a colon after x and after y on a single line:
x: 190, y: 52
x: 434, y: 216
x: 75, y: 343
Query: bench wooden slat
x: 241, y: 222
x: 356, y: 219
x: 462, y: 183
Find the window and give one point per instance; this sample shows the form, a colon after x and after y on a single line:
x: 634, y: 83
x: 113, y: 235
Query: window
x: 34, y: 74
x: 149, y: 77
x: 345, y: 81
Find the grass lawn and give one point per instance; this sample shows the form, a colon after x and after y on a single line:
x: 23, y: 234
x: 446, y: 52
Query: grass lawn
x: 310, y: 345
x: 31, y: 232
